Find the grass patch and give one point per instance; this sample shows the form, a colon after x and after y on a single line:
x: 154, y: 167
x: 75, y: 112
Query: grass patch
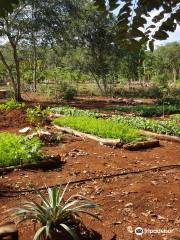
x: 166, y: 127
x: 148, y: 110
x: 17, y: 150
x: 11, y: 104
x: 101, y: 127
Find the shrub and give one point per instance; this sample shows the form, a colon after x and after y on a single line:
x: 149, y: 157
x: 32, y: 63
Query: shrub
x: 15, y: 150
x: 55, y: 214
x: 66, y: 91
x: 11, y: 104
x: 36, y: 116
x: 101, y: 127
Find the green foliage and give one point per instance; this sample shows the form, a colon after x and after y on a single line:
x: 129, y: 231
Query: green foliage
x: 72, y: 111
x: 67, y: 92
x: 132, y: 22
x: 15, y: 150
x: 36, y: 116
x: 101, y: 127
x: 167, y: 127
x: 148, y: 110
x: 12, y: 104
x: 55, y: 214
x: 175, y: 117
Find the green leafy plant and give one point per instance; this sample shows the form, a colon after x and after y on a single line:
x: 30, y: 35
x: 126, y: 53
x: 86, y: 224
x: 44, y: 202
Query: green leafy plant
x: 72, y: 111
x: 101, y: 127
x: 66, y: 91
x: 55, y: 214
x: 15, y: 150
x: 148, y: 110
x: 36, y: 116
x: 167, y: 127
x: 12, y: 104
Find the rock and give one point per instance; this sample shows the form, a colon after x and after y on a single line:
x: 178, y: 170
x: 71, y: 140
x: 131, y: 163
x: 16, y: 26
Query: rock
x: 154, y: 183
x: 129, y: 205
x: 25, y: 130
x: 160, y: 217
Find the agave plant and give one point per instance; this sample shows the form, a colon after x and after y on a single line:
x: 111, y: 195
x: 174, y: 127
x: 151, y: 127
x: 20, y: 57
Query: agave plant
x: 54, y: 213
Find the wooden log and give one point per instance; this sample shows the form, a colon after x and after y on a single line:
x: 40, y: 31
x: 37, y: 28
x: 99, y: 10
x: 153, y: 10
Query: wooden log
x: 103, y: 141
x: 111, y: 142
x: 44, y: 164
x: 162, y: 136
x: 141, y: 145
x: 8, y: 231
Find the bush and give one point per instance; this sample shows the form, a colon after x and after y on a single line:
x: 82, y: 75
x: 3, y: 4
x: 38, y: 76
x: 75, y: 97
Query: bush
x: 66, y: 91
x: 11, y: 104
x: 36, y: 116
x: 101, y: 127
x: 15, y: 150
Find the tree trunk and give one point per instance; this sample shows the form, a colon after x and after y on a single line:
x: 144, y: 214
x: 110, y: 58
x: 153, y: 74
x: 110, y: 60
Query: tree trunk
x: 34, y: 64
x: 18, y: 76
x: 174, y: 76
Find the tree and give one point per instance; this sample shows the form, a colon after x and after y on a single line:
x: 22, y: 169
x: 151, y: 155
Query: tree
x: 132, y: 20
x: 13, y: 28
x: 102, y: 54
x: 34, y: 23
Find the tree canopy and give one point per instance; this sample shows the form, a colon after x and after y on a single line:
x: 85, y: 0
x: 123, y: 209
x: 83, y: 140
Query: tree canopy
x: 133, y: 20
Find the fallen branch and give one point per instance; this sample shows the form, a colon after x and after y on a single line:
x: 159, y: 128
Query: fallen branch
x: 44, y: 164
x: 141, y: 145
x: 162, y: 136
x: 111, y: 142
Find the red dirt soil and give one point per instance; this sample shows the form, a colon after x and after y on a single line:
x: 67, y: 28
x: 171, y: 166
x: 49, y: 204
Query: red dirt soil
x: 150, y: 200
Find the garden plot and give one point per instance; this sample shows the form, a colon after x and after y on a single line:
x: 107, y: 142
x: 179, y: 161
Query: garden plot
x: 134, y: 193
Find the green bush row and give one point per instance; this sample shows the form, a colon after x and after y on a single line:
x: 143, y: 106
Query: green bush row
x: 101, y: 127
x: 168, y: 127
x: 72, y: 111
x: 16, y: 150
x: 148, y: 110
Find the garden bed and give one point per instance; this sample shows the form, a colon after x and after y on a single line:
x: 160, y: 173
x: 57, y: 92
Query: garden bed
x: 147, y: 110
x: 101, y: 128
x: 117, y: 143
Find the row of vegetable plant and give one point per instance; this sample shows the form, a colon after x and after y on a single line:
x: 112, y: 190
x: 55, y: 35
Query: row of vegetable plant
x: 105, y: 128
x: 72, y: 111
x: 148, y: 110
x: 166, y: 127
